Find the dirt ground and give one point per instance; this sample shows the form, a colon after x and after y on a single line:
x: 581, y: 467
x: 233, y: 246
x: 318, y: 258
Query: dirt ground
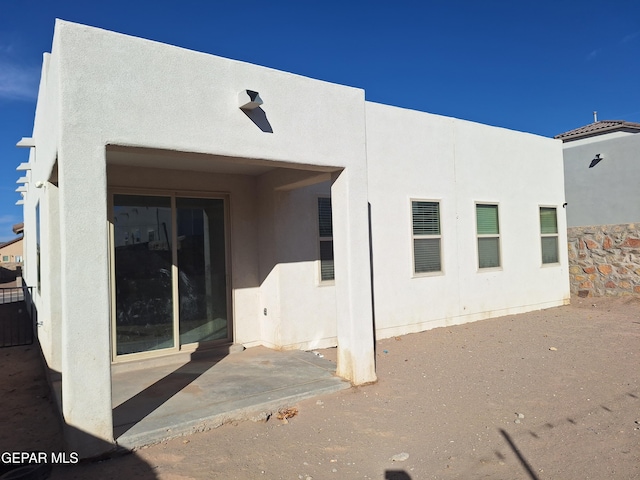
x: 553, y: 394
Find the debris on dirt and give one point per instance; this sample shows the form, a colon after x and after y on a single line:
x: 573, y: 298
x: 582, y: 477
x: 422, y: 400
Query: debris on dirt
x: 400, y: 457
x: 287, y: 413
x: 553, y: 349
x: 318, y: 354
x: 520, y: 415
x: 320, y: 402
x: 261, y: 417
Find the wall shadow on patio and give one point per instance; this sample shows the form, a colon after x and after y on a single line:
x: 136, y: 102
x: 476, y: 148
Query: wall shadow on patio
x: 136, y: 408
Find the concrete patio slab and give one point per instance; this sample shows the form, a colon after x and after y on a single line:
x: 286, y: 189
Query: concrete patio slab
x: 154, y: 404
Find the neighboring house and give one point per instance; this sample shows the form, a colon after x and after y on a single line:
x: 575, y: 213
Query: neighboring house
x: 172, y: 212
x: 11, y: 251
x: 602, y: 174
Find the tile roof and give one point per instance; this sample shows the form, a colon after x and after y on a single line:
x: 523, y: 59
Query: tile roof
x: 10, y: 242
x: 599, y: 128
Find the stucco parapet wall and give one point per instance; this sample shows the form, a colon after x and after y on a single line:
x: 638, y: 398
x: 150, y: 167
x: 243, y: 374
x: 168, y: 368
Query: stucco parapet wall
x: 186, y: 101
x: 604, y: 259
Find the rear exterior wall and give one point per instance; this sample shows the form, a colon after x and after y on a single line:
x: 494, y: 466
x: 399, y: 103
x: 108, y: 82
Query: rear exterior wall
x: 418, y: 156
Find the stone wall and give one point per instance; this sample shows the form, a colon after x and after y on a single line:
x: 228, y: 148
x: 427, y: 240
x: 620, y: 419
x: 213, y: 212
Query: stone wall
x: 604, y: 260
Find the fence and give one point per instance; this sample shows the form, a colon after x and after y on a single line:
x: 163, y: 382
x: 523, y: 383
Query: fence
x: 17, y: 318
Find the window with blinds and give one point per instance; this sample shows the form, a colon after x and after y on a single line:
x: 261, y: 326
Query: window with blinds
x: 426, y: 237
x: 488, y: 231
x: 549, y: 234
x: 325, y: 233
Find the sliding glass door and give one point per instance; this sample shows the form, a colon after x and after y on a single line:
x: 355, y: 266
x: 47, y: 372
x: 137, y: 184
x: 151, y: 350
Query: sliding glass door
x: 169, y: 272
x: 201, y: 269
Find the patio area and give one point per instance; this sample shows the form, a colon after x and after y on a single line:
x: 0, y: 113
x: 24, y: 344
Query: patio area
x: 161, y: 402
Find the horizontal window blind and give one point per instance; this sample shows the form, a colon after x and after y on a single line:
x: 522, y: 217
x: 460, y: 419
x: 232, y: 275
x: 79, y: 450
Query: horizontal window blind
x: 325, y: 225
x: 487, y: 219
x: 326, y: 260
x: 488, y: 252
x: 325, y: 231
x: 426, y: 236
x: 426, y: 218
x: 549, y: 233
x: 548, y: 220
x: 488, y: 236
x: 550, y: 249
x: 426, y: 252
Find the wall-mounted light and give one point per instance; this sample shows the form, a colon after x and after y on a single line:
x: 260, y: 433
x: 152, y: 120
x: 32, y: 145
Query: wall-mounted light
x: 595, y: 161
x: 249, y: 100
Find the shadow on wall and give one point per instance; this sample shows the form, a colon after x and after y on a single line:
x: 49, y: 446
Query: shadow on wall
x: 259, y: 117
x: 290, y: 226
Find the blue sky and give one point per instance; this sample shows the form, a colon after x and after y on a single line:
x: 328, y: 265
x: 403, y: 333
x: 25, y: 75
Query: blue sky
x: 541, y: 67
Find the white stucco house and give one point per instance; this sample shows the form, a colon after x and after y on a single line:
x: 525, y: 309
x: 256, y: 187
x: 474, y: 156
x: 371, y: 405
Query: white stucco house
x: 167, y: 209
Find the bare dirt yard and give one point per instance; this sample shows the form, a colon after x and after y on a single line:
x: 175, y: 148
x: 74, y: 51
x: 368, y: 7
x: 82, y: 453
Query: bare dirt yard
x: 553, y: 394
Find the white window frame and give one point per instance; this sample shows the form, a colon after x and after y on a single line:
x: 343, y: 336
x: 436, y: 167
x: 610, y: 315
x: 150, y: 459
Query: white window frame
x: 323, y: 239
x: 415, y: 237
x: 549, y: 235
x: 487, y: 235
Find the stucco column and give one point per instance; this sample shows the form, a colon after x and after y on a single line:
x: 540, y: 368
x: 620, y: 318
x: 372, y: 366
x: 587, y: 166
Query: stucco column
x: 49, y: 314
x: 356, y: 360
x: 84, y: 277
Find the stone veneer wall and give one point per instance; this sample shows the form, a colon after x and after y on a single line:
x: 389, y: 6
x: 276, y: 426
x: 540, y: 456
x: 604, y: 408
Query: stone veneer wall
x: 604, y: 260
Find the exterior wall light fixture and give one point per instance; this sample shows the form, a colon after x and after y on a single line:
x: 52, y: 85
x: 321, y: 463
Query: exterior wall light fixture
x: 249, y: 100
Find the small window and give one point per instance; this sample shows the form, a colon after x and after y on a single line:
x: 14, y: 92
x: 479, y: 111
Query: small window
x: 426, y: 237
x: 5, y: 258
x: 488, y: 230
x: 549, y: 234
x: 325, y: 233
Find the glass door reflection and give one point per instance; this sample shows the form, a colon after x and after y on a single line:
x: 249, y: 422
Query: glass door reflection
x: 143, y: 273
x: 201, y: 264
